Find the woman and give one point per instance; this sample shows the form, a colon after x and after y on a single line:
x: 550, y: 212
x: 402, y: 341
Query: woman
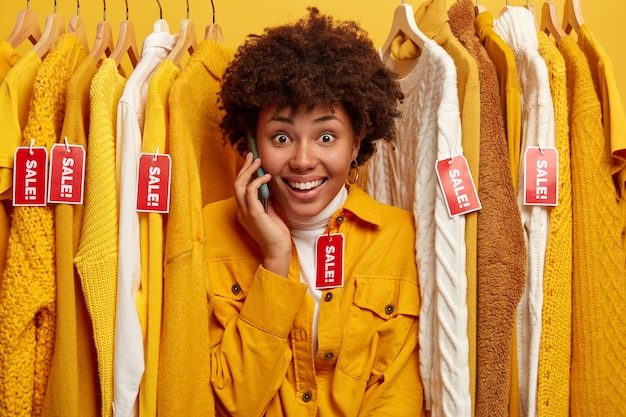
x: 315, y: 297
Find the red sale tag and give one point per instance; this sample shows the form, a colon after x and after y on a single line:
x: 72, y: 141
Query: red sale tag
x: 329, y: 261
x: 541, y: 176
x: 30, y: 168
x: 67, y: 174
x: 457, y: 185
x: 153, y: 183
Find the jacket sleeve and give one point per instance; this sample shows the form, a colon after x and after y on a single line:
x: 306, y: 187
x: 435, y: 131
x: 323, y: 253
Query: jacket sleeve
x: 249, y: 333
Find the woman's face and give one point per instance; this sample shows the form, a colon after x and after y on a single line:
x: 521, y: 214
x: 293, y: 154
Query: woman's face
x: 308, y: 153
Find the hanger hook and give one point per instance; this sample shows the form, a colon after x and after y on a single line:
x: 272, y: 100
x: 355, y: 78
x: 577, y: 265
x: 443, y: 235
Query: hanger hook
x: 77, y: 7
x: 27, y: 4
x: 160, y: 9
x: 213, y: 8
x: 187, y: 9
x: 104, y: 10
x: 55, y: 6
x: 126, y: 1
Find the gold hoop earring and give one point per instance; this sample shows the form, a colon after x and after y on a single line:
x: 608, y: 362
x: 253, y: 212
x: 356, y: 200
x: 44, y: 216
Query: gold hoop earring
x: 353, y: 178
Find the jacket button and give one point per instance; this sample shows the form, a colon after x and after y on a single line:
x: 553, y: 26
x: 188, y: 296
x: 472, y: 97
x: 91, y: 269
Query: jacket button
x: 328, y: 296
x: 389, y: 308
x: 339, y: 219
x: 236, y: 289
x: 329, y: 356
x: 307, y: 396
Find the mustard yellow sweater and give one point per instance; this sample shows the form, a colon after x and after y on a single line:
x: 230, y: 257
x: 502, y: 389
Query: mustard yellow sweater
x: 96, y: 258
x: 555, y: 347
x: 598, y: 363
x: 28, y: 291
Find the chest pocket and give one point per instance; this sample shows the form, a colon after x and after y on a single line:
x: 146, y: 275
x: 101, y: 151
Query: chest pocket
x: 379, y: 319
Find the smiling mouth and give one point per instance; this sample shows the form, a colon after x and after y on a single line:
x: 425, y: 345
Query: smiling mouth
x: 305, y: 186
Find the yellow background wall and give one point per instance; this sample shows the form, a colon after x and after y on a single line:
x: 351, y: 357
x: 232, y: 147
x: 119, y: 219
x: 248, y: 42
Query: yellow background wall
x: 606, y: 18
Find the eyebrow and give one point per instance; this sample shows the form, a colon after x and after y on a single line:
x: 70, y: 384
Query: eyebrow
x: 321, y: 119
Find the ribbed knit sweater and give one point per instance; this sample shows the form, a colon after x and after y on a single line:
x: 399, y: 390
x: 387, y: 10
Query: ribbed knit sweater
x: 73, y: 388
x: 28, y: 291
x: 501, y: 260
x: 203, y: 170
x: 555, y: 346
x: 517, y: 27
x: 149, y: 298
x: 598, y: 363
x: 96, y: 258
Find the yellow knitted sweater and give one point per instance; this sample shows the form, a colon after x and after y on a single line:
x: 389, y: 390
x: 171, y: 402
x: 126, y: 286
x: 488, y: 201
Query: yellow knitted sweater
x: 598, y: 363
x: 96, y: 259
x: 28, y: 292
x: 555, y: 346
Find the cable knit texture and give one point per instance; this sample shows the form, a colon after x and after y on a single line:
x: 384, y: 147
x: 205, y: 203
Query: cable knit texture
x: 501, y: 264
x: 28, y: 291
x: 430, y: 89
x: 96, y: 259
x: 555, y: 347
x: 204, y: 169
x: 598, y: 364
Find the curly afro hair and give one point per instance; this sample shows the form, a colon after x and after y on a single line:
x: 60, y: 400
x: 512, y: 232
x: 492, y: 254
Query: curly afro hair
x: 314, y: 61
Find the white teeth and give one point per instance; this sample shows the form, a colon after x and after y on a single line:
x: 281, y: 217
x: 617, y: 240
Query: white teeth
x: 304, y: 186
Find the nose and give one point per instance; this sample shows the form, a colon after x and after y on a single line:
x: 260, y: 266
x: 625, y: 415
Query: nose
x: 303, y: 157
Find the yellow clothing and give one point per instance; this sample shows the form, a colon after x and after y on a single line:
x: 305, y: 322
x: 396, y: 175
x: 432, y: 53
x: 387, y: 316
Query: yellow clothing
x: 613, y: 116
x: 203, y: 170
x: 502, y: 56
x: 432, y: 19
x: 8, y: 58
x: 28, y: 291
x: 261, y: 343
x: 16, y: 91
x: 598, y: 363
x: 556, y: 316
x: 96, y: 257
x: 73, y: 384
x: 149, y: 298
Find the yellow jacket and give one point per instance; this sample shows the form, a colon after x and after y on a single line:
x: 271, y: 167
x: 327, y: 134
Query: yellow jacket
x: 262, y: 361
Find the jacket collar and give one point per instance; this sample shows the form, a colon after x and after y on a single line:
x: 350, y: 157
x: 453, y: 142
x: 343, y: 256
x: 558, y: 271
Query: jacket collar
x: 361, y: 205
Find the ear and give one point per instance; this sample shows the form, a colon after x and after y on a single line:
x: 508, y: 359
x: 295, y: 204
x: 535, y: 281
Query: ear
x: 356, y: 146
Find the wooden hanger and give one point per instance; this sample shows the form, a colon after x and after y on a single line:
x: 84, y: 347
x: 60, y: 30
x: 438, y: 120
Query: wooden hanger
x: 214, y: 30
x: 26, y: 27
x: 550, y: 21
x: 531, y: 8
x: 103, y: 45
x: 53, y: 29
x: 187, y: 40
x: 126, y: 43
x: 78, y: 27
x: 403, y: 22
x: 572, y: 16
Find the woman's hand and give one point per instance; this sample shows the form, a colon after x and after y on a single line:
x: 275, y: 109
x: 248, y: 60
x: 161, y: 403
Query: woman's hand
x: 267, y: 229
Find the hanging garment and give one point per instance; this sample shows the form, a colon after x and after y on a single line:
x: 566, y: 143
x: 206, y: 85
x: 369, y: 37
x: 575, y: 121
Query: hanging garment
x: 129, y: 355
x: 8, y: 58
x: 152, y: 226
x: 516, y: 26
x: 73, y: 386
x: 430, y: 88
x: 502, y: 56
x: 501, y: 250
x: 598, y: 366
x: 556, y: 317
x: 204, y: 169
x: 372, y: 368
x: 613, y: 116
x: 28, y: 291
x: 96, y: 257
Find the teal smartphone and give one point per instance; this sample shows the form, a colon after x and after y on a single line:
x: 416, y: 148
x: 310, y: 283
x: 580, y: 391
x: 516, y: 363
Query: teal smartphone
x: 264, y: 191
